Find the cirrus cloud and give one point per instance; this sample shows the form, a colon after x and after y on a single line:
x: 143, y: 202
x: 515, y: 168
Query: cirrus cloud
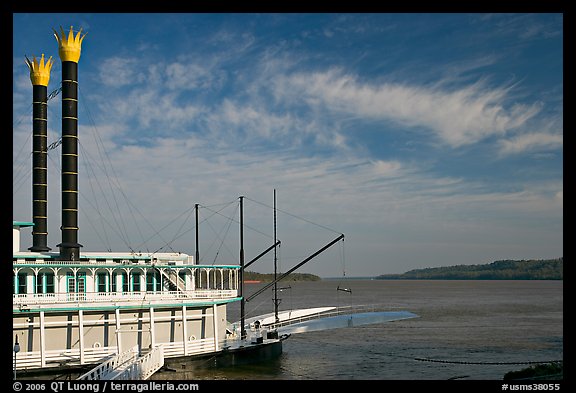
x: 458, y: 117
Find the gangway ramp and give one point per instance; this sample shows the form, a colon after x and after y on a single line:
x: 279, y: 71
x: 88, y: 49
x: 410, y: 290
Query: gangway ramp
x: 128, y: 365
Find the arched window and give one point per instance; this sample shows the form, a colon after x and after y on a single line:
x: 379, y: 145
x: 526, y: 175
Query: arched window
x: 45, y: 282
x: 152, y: 281
x: 136, y: 287
x: 102, y: 282
x: 22, y: 283
x: 120, y: 282
x: 218, y: 280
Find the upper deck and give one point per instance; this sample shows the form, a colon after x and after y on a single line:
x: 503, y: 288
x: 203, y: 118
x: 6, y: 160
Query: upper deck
x: 118, y: 280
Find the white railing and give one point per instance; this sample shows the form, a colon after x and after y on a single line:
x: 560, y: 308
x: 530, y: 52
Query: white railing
x: 193, y: 347
x: 128, y: 366
x: 103, y: 356
x: 24, y: 300
x: 55, y: 358
x: 58, y: 357
x: 68, y: 263
x: 110, y: 364
x: 143, y: 367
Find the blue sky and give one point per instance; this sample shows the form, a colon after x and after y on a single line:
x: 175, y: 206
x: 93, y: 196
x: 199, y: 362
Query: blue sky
x: 427, y: 139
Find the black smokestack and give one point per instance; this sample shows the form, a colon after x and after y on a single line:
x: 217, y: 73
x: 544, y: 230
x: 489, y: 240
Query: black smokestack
x: 69, y: 51
x: 40, y: 76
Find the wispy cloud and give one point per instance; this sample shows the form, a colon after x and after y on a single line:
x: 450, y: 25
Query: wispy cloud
x: 120, y: 71
x: 460, y: 116
x: 525, y: 26
x: 531, y: 142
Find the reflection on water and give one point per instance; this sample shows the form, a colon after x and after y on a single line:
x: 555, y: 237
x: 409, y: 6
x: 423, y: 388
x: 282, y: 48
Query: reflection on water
x: 465, y: 330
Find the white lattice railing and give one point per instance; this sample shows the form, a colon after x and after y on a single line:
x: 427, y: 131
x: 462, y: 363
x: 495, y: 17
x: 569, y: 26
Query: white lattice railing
x: 144, y: 366
x: 54, y: 358
x: 128, y: 366
x: 110, y: 364
x: 29, y: 299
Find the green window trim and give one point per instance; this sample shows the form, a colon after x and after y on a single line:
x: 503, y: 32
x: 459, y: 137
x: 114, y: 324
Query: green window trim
x: 22, y: 283
x: 76, y: 283
x: 102, y: 284
x: 135, y: 282
x: 45, y: 282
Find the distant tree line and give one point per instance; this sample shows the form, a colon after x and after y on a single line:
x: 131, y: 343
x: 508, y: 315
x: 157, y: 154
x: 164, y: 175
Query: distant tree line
x: 545, y: 269
x: 268, y: 277
x: 550, y: 371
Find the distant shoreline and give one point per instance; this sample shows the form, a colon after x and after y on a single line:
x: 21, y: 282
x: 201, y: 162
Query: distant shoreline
x: 544, y: 269
x: 255, y: 278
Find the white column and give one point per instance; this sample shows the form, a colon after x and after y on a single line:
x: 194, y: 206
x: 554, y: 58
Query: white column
x: 81, y: 334
x: 118, y: 340
x: 30, y: 289
x: 119, y: 282
x: 215, y: 321
x: 90, y: 283
x: 56, y: 283
x: 184, y: 330
x: 42, y: 341
x: 152, y: 331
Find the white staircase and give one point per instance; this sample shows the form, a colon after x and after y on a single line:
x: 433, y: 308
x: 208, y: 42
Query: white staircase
x: 174, y: 280
x: 128, y: 365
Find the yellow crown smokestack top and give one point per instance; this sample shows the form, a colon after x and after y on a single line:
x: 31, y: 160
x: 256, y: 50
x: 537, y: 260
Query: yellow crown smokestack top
x: 39, y: 70
x: 69, y: 48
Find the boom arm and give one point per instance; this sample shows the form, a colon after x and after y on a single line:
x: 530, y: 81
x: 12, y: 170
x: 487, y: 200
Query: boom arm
x: 294, y: 268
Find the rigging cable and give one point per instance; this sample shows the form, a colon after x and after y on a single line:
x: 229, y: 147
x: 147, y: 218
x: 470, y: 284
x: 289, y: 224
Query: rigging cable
x: 19, y: 177
x: 343, y: 260
x: 238, y: 222
x: 114, y: 205
x: 227, y: 230
x: 115, y: 188
x: 297, y: 217
x: 21, y: 171
x: 229, y: 222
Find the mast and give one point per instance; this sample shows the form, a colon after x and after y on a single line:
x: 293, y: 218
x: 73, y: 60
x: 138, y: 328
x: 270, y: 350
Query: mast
x: 39, y: 76
x: 276, y: 303
x: 197, y: 243
x: 241, y: 278
x: 69, y: 49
